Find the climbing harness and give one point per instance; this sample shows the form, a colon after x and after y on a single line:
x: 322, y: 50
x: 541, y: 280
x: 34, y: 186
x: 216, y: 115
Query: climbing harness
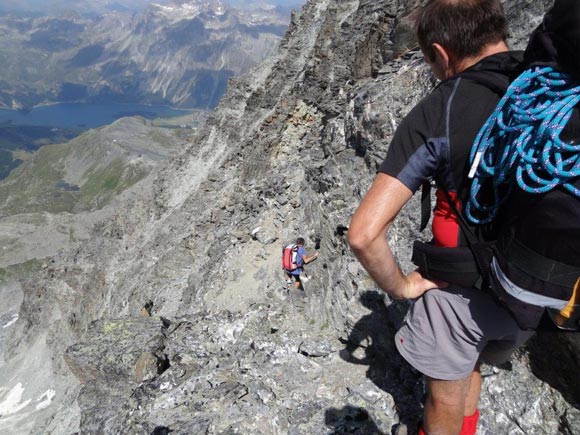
x: 520, y: 143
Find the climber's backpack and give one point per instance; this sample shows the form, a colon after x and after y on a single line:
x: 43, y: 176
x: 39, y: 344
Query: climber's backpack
x: 527, y: 155
x: 290, y: 260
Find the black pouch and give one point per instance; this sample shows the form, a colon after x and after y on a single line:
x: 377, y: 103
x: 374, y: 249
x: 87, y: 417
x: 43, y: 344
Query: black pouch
x: 563, y: 324
x: 533, y: 318
x: 453, y: 265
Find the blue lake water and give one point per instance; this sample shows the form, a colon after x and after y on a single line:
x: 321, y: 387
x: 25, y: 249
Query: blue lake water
x: 65, y: 115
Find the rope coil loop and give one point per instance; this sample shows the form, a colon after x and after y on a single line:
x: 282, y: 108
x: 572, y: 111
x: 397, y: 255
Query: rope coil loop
x: 520, y: 145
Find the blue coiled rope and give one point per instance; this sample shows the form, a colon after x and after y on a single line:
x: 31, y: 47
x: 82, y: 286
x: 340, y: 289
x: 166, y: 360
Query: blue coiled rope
x: 520, y: 143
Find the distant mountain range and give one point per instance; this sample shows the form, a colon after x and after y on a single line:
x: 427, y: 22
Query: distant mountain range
x: 175, y: 52
x: 81, y: 6
x: 88, y: 7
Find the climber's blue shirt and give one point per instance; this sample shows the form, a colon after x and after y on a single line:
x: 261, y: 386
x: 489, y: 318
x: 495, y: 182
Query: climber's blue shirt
x: 299, y: 260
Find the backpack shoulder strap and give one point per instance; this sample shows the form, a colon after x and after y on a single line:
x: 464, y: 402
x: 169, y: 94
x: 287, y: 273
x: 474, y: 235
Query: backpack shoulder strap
x: 425, y: 204
x: 497, y: 83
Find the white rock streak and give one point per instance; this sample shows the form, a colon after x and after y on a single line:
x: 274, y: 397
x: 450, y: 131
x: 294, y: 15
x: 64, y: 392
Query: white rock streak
x: 12, y: 321
x: 12, y: 403
x: 45, y: 399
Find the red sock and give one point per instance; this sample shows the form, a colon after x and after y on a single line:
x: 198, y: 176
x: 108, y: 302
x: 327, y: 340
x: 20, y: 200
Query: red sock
x: 469, y: 426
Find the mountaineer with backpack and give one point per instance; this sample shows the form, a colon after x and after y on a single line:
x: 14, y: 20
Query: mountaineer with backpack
x: 449, y: 328
x: 294, y: 257
x: 519, y: 253
x: 526, y: 178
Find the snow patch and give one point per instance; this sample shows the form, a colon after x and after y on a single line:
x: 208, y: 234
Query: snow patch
x: 45, y: 399
x: 12, y: 404
x: 190, y: 10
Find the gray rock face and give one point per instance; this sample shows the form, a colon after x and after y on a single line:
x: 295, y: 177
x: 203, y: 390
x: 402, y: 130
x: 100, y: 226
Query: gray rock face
x: 136, y: 349
x: 291, y: 149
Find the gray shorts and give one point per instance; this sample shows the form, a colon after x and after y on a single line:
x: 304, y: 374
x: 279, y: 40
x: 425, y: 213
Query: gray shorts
x: 447, y: 331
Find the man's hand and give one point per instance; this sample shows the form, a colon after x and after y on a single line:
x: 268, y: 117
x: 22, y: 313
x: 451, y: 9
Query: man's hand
x: 416, y: 285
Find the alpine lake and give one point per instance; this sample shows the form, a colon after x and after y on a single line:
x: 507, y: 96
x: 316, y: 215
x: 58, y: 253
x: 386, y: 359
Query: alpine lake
x: 22, y: 132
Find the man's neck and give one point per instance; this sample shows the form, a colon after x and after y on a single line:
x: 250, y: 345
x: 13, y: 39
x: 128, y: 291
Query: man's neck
x: 488, y: 50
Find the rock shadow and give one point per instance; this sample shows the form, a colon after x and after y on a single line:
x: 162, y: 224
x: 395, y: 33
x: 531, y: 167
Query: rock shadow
x: 555, y: 359
x: 371, y: 343
x: 351, y: 420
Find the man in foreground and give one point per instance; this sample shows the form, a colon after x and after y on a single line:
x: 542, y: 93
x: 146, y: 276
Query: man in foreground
x: 447, y: 331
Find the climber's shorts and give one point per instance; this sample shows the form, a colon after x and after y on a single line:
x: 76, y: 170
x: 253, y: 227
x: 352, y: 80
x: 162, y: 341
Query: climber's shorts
x: 446, y: 332
x: 296, y: 277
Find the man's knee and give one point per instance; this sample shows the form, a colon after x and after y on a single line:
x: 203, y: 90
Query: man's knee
x: 440, y: 402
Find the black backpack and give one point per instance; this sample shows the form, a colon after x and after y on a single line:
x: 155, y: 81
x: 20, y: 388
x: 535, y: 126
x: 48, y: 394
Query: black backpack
x: 536, y: 182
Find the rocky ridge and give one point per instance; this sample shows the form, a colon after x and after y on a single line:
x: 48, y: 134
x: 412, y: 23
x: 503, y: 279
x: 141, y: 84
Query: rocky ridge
x: 175, y: 317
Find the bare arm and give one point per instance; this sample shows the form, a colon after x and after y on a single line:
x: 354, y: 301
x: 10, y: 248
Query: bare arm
x: 367, y: 238
x: 309, y: 258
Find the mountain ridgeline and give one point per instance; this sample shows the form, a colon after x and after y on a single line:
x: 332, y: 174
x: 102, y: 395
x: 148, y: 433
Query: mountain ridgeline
x: 174, y: 316
x: 176, y: 53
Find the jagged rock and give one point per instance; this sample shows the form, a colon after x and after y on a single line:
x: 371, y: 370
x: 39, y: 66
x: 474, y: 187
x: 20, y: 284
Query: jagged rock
x: 146, y: 367
x: 119, y: 350
x: 317, y: 349
x: 241, y: 235
x: 265, y: 239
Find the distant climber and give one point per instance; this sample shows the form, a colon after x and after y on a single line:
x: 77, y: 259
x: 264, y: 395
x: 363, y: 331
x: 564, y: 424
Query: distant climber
x: 294, y: 257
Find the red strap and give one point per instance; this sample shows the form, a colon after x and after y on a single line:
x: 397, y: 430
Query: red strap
x: 445, y: 224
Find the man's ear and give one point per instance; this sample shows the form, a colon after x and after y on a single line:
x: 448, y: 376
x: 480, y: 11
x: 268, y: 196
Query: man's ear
x: 442, y: 56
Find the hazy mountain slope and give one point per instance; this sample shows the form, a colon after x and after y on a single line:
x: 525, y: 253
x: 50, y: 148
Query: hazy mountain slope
x: 98, y: 7
x: 44, y: 215
x: 87, y: 7
x: 85, y: 173
x: 52, y: 201
x: 179, y: 53
x: 290, y: 150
